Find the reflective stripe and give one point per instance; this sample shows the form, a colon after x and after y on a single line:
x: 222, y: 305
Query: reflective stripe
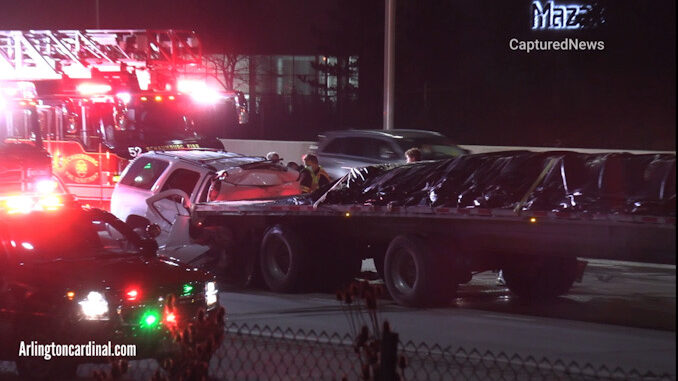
x: 315, y: 178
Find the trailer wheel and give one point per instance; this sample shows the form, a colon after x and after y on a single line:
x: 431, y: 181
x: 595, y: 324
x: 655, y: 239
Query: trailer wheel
x: 541, y: 278
x: 413, y: 273
x: 284, y: 260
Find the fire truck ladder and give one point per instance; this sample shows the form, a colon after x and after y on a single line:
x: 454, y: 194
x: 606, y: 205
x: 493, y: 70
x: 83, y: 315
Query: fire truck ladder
x: 51, y: 54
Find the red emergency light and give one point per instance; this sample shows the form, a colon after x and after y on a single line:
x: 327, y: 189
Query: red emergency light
x: 132, y: 294
x: 124, y: 97
x: 89, y: 88
x: 24, y: 204
x: 170, y: 318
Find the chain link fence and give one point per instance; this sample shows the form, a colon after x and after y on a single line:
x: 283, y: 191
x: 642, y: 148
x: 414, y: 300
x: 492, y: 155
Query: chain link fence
x: 252, y: 352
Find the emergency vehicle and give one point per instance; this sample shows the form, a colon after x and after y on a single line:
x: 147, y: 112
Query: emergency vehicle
x: 71, y: 276
x: 23, y: 168
x: 102, y: 97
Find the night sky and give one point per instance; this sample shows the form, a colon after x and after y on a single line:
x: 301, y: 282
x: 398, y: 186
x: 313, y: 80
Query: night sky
x: 455, y: 71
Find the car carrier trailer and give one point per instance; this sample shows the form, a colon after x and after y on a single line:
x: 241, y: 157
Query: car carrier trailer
x: 431, y: 226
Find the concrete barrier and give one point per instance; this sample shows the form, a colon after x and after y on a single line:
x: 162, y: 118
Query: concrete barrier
x: 288, y: 150
x: 293, y: 150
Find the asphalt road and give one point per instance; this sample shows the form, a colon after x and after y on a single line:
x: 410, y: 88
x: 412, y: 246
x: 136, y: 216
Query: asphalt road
x: 621, y: 315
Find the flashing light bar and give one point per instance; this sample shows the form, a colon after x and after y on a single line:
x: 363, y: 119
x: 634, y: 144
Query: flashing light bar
x: 21, y: 89
x: 89, y: 88
x: 206, y: 96
x: 157, y: 98
x: 46, y: 186
x: 190, y: 85
x: 199, y: 91
x: 25, y: 204
x: 124, y: 97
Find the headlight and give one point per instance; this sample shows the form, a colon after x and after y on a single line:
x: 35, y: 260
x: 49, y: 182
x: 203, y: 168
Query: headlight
x: 211, y: 293
x: 94, y: 306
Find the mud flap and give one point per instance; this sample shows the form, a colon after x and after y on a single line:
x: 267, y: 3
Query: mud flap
x: 581, y: 266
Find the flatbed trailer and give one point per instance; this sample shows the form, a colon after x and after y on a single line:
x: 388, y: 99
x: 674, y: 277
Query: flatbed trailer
x: 429, y: 226
x: 424, y: 253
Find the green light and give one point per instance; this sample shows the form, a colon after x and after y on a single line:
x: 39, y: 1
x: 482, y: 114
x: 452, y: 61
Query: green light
x: 149, y: 319
x: 147, y: 166
x: 187, y: 290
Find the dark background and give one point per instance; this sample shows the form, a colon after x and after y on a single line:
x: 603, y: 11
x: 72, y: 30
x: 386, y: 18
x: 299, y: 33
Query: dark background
x: 454, y: 70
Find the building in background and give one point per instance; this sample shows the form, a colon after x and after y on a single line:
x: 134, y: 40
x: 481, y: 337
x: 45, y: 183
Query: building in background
x: 304, y: 93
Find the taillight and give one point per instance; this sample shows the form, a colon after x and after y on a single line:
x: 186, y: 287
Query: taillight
x: 132, y: 294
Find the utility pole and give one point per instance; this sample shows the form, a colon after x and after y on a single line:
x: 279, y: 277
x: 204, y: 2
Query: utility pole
x: 96, y: 7
x: 389, y: 61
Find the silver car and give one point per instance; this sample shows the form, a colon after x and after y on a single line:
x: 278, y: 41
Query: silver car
x: 339, y: 151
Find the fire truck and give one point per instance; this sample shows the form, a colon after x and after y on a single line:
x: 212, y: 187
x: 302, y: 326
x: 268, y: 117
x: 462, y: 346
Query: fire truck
x: 102, y: 97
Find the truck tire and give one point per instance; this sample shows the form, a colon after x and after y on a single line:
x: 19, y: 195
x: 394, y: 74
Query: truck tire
x: 284, y: 260
x: 414, y: 273
x: 541, y: 278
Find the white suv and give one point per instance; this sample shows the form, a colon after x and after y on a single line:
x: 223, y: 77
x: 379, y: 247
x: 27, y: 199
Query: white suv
x: 161, y: 186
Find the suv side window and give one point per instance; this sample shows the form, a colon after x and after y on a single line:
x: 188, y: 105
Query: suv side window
x: 377, y: 149
x: 369, y: 148
x: 337, y: 145
x: 144, y: 172
x: 182, y: 179
x: 355, y: 147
